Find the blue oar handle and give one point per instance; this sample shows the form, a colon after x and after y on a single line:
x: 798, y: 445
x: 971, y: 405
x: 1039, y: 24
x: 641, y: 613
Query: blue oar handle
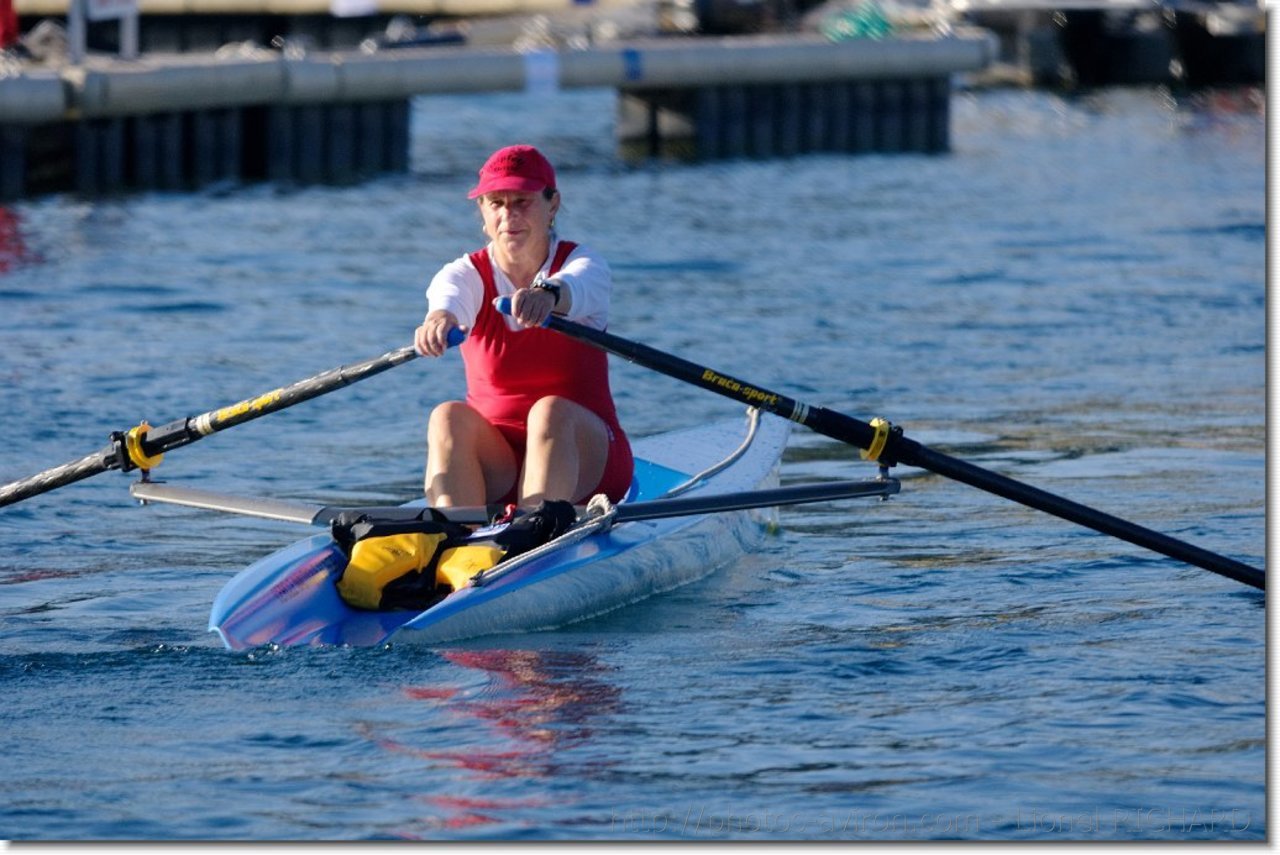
x: 455, y: 337
x: 503, y: 305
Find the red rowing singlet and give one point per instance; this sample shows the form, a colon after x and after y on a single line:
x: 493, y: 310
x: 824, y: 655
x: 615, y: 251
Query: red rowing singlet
x: 508, y: 371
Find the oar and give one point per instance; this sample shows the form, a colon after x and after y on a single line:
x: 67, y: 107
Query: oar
x: 313, y: 514
x: 886, y: 444
x: 143, y: 446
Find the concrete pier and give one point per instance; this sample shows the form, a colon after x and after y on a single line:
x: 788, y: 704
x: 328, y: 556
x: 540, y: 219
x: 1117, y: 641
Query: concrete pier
x: 183, y: 120
x: 786, y: 119
x: 1089, y: 43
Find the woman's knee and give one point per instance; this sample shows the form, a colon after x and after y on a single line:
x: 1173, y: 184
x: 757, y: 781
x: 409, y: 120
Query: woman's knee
x: 559, y: 422
x: 448, y: 423
x: 553, y: 415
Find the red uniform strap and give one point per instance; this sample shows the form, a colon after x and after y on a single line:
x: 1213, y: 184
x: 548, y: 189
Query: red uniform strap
x: 563, y: 251
x: 481, y: 261
x: 508, y: 370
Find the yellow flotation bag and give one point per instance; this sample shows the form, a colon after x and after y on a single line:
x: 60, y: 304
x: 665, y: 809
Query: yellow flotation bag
x: 414, y: 561
x: 376, y: 562
x: 458, y: 564
x: 408, y: 563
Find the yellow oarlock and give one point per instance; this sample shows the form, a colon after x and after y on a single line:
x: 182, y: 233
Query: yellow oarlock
x: 879, y: 440
x: 133, y: 447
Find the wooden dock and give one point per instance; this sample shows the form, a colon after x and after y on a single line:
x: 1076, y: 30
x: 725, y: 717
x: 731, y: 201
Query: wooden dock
x: 179, y: 121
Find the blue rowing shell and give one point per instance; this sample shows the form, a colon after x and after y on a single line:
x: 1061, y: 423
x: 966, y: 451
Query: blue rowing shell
x: 290, y: 597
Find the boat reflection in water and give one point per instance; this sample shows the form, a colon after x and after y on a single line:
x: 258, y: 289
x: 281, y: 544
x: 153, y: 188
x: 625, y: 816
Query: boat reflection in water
x: 536, y: 705
x: 13, y: 246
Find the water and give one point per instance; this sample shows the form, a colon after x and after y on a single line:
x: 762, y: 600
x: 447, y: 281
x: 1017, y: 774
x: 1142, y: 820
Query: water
x: 1074, y: 297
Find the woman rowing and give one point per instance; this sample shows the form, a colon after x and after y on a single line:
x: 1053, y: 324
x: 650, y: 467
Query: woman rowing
x: 539, y: 422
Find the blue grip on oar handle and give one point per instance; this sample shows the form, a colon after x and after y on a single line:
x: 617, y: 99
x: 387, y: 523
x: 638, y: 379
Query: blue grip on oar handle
x: 455, y: 337
x: 503, y: 305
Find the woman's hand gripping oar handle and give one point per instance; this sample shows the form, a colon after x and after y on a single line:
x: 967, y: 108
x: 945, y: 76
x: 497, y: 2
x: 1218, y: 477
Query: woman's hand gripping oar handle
x: 143, y: 447
x: 891, y: 447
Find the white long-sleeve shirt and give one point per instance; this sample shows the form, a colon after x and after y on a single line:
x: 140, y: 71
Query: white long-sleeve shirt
x: 585, y: 276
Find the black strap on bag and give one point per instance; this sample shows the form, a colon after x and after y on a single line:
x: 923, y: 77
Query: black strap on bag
x: 392, y: 561
x: 547, y: 521
x: 353, y: 526
x: 386, y: 569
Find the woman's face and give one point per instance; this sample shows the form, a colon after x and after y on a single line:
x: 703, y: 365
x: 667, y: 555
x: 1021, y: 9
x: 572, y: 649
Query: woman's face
x: 519, y: 222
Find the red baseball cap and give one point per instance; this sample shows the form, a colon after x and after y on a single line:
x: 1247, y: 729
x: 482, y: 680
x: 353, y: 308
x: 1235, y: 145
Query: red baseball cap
x: 516, y: 167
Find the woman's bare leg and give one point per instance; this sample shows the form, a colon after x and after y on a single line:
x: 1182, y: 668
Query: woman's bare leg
x: 566, y: 454
x: 468, y: 460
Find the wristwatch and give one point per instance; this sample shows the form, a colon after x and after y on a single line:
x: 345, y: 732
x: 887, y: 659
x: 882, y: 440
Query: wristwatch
x: 548, y: 285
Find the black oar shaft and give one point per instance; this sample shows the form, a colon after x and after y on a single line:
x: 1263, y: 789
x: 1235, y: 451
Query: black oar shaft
x: 182, y: 432
x: 59, y: 476
x: 830, y: 423
x: 900, y: 449
x: 186, y: 431
x: 1066, y: 509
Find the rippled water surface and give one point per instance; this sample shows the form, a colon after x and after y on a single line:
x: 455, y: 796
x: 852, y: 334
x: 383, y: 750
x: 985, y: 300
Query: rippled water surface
x: 1073, y: 297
